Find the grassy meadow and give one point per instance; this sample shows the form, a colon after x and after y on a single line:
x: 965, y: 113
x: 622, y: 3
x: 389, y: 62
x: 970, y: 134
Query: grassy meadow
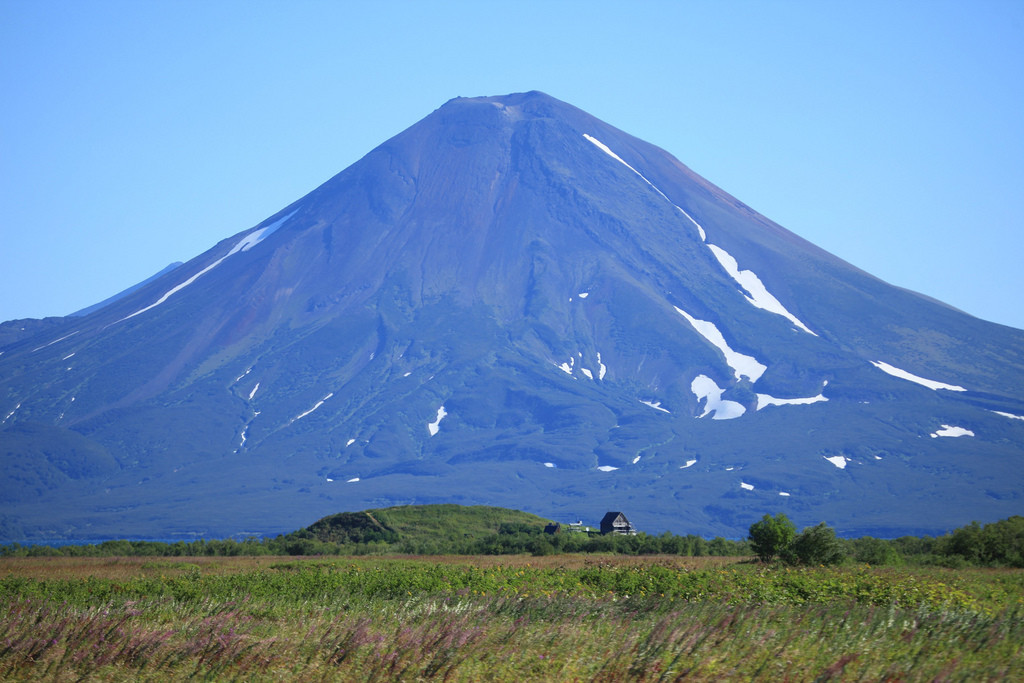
x: 562, y: 618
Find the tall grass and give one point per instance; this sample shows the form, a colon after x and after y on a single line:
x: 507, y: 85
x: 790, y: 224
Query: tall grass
x: 411, y: 620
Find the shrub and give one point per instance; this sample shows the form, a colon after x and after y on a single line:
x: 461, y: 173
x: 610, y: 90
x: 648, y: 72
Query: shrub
x: 873, y: 551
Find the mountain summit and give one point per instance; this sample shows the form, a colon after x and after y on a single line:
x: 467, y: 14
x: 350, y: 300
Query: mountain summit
x: 512, y: 303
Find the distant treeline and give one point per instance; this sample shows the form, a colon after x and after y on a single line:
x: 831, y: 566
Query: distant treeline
x: 509, y: 539
x: 999, y: 544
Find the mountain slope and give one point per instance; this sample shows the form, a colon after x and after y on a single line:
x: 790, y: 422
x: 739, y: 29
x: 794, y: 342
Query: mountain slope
x: 512, y: 303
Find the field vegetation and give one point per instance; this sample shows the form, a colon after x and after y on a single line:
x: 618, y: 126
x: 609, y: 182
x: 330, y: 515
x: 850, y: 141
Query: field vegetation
x: 571, y: 617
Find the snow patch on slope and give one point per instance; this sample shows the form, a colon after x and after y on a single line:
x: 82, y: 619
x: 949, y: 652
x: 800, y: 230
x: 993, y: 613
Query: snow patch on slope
x: 655, y: 404
x: 951, y: 431
x: 435, y: 426
x: 1009, y: 415
x: 838, y: 460
x: 11, y: 414
x: 244, y: 244
x: 318, y: 404
x: 55, y: 341
x: 903, y: 374
x: 705, y: 388
x: 741, y: 364
x: 269, y: 230
x: 758, y: 294
x: 764, y: 400
x: 604, y: 148
x: 569, y: 367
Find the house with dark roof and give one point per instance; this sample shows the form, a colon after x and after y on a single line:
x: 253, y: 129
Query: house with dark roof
x: 616, y: 523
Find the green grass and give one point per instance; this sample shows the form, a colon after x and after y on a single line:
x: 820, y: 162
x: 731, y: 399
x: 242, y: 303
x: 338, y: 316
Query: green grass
x: 521, y: 619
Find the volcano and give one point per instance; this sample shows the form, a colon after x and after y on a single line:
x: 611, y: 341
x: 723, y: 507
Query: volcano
x: 511, y: 303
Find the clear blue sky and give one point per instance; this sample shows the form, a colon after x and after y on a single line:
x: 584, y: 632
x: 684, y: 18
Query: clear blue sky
x: 137, y: 133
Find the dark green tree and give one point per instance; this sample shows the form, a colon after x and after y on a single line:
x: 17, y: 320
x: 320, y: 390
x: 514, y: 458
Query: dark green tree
x: 1004, y: 542
x: 770, y: 536
x: 815, y: 545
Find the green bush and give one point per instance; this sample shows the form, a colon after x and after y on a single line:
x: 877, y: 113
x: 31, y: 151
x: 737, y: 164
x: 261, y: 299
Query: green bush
x: 873, y: 551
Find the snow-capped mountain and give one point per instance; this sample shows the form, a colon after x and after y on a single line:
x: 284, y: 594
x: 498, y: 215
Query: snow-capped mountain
x: 512, y: 303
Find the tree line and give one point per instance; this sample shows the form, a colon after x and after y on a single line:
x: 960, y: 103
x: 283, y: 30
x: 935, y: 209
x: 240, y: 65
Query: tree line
x: 999, y: 544
x: 772, y: 539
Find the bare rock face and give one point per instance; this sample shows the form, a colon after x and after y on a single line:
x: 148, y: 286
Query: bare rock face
x: 511, y: 303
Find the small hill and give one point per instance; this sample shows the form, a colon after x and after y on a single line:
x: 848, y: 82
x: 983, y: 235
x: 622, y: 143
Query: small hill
x: 421, y: 524
x: 351, y: 527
